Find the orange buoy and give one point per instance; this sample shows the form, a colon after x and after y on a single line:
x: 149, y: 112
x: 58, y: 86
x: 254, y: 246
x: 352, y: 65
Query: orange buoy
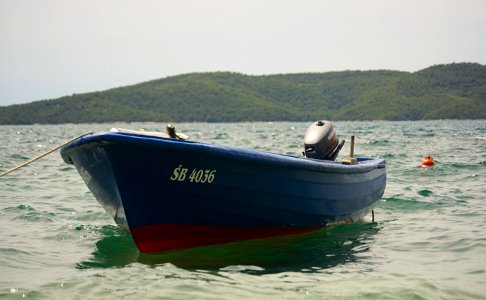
x: 427, y: 162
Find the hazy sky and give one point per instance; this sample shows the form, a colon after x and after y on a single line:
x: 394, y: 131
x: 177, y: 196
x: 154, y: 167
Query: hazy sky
x: 52, y: 48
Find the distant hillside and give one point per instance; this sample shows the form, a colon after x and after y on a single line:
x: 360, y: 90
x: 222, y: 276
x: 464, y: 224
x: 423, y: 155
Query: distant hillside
x: 453, y: 91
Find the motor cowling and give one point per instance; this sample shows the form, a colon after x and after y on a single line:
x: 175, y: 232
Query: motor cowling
x: 321, y: 142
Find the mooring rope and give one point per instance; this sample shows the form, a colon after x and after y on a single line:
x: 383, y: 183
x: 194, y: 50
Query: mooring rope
x: 43, y: 154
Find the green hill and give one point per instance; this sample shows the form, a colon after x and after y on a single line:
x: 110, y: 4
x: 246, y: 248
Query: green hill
x: 453, y: 91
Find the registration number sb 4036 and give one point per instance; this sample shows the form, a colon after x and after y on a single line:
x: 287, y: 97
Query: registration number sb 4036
x: 193, y: 175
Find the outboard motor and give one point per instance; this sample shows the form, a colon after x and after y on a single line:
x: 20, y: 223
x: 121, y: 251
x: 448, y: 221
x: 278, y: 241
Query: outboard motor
x: 321, y: 141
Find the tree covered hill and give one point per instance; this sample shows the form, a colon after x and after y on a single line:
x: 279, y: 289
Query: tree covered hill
x: 453, y: 91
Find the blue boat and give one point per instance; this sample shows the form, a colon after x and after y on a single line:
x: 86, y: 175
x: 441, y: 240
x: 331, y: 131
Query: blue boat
x: 172, y: 194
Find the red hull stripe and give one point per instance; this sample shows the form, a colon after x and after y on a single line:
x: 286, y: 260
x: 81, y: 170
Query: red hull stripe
x: 157, y: 238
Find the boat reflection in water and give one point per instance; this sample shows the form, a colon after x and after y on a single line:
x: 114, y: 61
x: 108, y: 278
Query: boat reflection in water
x: 315, y: 251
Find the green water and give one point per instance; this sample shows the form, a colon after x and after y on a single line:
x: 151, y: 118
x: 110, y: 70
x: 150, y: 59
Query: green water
x: 428, y: 240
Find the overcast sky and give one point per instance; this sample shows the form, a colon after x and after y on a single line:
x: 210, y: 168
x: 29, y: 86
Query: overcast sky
x: 52, y: 48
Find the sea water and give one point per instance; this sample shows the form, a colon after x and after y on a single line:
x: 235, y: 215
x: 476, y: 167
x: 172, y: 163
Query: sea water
x: 428, y: 239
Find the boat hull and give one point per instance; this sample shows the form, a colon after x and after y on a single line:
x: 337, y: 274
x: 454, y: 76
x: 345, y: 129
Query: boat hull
x: 173, y: 194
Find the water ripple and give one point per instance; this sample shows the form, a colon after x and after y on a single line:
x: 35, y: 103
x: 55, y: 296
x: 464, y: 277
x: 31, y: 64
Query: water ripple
x: 427, y: 240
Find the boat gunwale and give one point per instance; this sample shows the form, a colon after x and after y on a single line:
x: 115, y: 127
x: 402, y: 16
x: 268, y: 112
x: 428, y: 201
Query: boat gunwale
x: 365, y: 164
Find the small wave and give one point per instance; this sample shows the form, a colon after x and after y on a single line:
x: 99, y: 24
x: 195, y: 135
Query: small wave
x: 378, y: 142
x: 66, y: 168
x: 425, y: 193
x: 221, y: 136
x: 20, y: 207
x: 389, y: 155
x: 90, y: 216
x: 18, y: 156
x: 101, y: 229
x: 465, y: 166
x: 12, y: 251
x: 25, y: 212
x: 395, y: 203
x: 418, y: 134
x: 35, y: 216
x: 115, y: 248
x: 140, y: 281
